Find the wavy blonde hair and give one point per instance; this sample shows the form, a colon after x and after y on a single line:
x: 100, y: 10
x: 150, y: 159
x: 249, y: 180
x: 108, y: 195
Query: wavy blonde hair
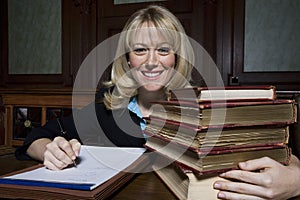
x: 124, y: 84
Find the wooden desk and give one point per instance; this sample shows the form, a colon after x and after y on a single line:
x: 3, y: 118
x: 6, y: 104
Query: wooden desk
x: 144, y: 186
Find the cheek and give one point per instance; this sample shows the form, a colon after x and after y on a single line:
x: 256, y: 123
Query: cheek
x: 134, y: 60
x: 168, y: 61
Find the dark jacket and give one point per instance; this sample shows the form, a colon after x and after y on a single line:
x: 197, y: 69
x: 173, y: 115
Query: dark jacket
x: 92, y: 125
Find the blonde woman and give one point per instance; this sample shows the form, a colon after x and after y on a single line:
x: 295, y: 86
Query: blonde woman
x: 153, y: 55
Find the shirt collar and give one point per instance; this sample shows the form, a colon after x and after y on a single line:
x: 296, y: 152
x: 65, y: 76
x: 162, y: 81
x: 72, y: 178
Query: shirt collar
x: 134, y: 107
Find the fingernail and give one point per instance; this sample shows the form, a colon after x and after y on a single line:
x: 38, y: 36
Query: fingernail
x: 221, y: 195
x: 222, y: 175
x: 242, y: 164
x: 217, y: 185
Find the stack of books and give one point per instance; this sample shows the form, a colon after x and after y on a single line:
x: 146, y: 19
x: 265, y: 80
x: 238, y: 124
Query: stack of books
x: 210, y: 130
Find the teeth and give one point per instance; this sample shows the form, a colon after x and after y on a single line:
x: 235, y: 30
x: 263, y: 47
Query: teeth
x: 149, y: 74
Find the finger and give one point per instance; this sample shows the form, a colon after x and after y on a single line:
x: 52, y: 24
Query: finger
x: 238, y: 189
x: 75, y: 146
x: 236, y: 196
x: 257, y: 164
x: 65, y: 146
x: 52, y: 162
x: 56, y: 152
x: 244, y: 176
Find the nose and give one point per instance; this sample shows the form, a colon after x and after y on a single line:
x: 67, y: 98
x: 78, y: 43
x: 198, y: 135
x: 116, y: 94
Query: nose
x: 150, y: 66
x: 152, y: 58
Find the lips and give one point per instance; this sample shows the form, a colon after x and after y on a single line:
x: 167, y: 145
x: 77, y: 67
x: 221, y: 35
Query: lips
x: 152, y: 74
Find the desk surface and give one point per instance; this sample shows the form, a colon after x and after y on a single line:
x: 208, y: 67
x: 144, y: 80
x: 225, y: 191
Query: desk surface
x: 145, y: 186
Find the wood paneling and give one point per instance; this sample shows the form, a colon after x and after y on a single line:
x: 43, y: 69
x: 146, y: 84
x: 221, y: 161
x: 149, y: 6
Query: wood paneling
x: 282, y: 80
x: 39, y: 99
x: 78, y: 39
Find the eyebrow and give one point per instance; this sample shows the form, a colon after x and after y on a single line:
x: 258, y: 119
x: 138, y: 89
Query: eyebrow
x: 146, y: 45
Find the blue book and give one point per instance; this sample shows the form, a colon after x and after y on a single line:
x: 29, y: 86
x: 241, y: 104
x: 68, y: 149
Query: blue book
x: 100, y: 171
x: 73, y: 186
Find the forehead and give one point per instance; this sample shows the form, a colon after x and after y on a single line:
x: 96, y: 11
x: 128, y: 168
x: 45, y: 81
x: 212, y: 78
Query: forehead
x: 149, y: 35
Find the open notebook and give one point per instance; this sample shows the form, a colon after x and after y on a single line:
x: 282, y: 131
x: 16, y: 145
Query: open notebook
x: 98, y: 170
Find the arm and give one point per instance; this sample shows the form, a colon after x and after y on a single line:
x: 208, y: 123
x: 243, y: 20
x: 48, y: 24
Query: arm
x: 47, y: 145
x: 261, y: 178
x: 56, y: 154
x: 37, y: 148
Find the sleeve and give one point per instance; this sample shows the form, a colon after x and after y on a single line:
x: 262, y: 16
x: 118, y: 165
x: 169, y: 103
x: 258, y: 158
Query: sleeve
x: 92, y: 125
x: 81, y: 125
x: 49, y: 130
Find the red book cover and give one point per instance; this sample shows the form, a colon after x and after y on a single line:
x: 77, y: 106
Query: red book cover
x: 217, y: 150
x: 234, y: 113
x: 229, y: 93
x: 215, y: 163
x: 196, y: 128
x: 208, y: 105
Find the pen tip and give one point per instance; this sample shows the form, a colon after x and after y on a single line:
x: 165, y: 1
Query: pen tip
x: 74, y: 163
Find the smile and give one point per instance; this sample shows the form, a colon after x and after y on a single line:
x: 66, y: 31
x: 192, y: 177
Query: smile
x: 152, y: 74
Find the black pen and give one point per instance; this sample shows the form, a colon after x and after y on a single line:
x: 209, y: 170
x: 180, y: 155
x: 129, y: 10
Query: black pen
x: 62, y: 130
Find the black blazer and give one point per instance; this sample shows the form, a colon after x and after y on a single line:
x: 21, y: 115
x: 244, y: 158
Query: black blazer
x: 92, y: 125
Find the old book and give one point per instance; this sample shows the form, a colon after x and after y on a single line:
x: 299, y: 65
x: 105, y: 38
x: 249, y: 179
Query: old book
x: 226, y: 93
x: 187, y: 185
x: 237, y: 113
x: 217, y: 137
x: 210, y: 161
x: 101, y: 171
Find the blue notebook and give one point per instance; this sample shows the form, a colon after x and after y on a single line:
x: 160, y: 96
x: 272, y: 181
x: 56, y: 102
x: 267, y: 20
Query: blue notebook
x: 73, y: 186
x: 97, y: 165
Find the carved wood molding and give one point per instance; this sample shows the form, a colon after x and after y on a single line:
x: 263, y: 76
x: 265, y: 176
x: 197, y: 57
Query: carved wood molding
x: 85, y: 6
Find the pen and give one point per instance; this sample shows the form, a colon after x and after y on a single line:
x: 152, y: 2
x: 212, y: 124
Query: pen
x: 62, y: 130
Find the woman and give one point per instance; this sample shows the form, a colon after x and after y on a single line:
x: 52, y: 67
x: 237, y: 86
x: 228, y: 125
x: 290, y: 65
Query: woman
x: 153, y: 56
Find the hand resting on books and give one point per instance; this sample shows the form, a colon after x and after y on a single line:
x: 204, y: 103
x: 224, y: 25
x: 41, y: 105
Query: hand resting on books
x: 58, y: 154
x: 261, y: 178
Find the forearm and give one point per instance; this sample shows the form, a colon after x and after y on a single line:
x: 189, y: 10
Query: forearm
x: 37, y: 148
x: 294, y: 167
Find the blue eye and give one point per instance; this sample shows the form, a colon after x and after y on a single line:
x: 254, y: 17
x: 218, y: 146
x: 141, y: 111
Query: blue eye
x: 164, y: 50
x: 140, y: 50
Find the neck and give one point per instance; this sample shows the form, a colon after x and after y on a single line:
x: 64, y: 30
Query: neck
x: 145, y: 99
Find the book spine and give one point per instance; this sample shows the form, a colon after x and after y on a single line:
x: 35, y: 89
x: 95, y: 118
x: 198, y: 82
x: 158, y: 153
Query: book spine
x: 218, y: 150
x: 32, y: 183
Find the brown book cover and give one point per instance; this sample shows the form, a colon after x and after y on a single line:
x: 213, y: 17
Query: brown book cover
x: 212, y: 150
x: 220, y: 138
x: 236, y: 113
x: 203, y: 162
x: 228, y: 93
x: 224, y: 146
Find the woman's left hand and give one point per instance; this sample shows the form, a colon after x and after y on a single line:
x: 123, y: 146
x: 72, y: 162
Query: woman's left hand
x: 262, y: 178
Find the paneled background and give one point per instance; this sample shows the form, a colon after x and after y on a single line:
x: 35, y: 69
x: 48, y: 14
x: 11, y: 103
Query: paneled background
x: 218, y: 25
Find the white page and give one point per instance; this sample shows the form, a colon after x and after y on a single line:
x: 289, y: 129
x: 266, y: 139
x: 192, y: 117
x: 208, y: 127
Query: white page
x: 97, y: 165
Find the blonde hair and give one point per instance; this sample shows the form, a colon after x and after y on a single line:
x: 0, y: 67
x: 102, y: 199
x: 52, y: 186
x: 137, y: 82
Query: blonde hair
x: 166, y: 22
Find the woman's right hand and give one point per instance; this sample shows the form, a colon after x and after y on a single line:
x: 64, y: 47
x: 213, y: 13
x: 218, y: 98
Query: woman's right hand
x: 60, y: 153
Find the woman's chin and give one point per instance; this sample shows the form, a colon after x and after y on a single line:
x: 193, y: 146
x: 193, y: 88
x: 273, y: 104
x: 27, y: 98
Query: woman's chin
x: 153, y: 87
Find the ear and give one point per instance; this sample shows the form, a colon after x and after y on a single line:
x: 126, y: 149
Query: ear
x: 127, y: 58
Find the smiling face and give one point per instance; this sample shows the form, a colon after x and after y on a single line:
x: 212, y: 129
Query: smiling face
x: 151, y: 58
